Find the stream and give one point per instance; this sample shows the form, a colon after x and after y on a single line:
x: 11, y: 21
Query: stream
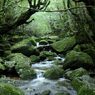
x: 41, y: 84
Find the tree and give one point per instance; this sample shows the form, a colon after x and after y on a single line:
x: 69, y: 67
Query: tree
x: 34, y: 6
x: 90, y: 5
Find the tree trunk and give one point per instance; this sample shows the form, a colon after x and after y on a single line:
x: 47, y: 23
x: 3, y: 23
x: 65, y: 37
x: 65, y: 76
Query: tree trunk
x: 21, y: 20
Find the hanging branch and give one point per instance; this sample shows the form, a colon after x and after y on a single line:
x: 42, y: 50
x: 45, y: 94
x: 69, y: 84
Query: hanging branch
x: 64, y: 10
x: 22, y: 19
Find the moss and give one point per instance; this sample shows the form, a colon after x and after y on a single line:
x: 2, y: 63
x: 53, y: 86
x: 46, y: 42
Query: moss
x: 34, y: 58
x: 85, y: 90
x: 46, y: 54
x: 22, y: 64
x: 1, y: 60
x: 7, y: 89
x: 43, y: 42
x: 25, y: 72
x: 77, y: 48
x: 84, y: 85
x: 18, y: 58
x: 75, y: 60
x: 25, y: 46
x: 62, y: 93
x: 76, y: 73
x: 57, y: 62
x: 54, y: 73
x: 2, y: 67
x: 64, y: 45
x: 47, y: 92
x: 77, y: 84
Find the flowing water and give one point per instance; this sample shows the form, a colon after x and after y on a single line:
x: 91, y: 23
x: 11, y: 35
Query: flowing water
x: 40, y: 83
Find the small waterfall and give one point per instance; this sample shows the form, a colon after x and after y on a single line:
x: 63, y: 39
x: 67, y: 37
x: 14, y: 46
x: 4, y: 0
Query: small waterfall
x: 38, y: 45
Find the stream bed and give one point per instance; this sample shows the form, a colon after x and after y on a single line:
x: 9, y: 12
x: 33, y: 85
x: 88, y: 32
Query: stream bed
x: 41, y: 84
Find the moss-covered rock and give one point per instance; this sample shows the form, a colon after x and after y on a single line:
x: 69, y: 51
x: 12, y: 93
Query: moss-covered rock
x: 22, y: 64
x: 43, y: 42
x: 25, y: 46
x: 84, y: 85
x: 47, y: 54
x: 15, y: 39
x: 91, y: 52
x: 2, y: 67
x: 7, y: 89
x: 18, y: 58
x: 58, y: 62
x: 85, y: 90
x: 54, y: 73
x: 77, y: 48
x: 76, y: 73
x: 47, y: 92
x: 64, y: 93
x: 1, y: 60
x: 64, y: 45
x: 34, y: 58
x: 75, y: 60
x: 25, y: 71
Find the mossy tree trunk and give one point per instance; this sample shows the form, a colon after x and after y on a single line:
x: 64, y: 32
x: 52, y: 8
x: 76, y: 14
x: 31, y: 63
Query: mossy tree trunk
x: 84, y: 21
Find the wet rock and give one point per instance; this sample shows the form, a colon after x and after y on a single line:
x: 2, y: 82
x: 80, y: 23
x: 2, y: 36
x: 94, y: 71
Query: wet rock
x: 47, y: 54
x: 57, y: 62
x: 64, y: 45
x: 2, y: 67
x: 66, y: 83
x: 77, y: 48
x: 84, y: 85
x: 47, y: 92
x: 65, y: 93
x: 14, y: 39
x: 76, y: 60
x: 1, y: 60
x: 76, y: 73
x: 7, y: 89
x: 89, y: 49
x: 54, y: 73
x: 43, y: 42
x: 25, y: 72
x: 21, y: 64
x: 34, y: 58
x: 85, y: 90
x: 25, y: 46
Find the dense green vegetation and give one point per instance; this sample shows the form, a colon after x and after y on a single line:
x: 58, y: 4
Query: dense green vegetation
x: 35, y: 31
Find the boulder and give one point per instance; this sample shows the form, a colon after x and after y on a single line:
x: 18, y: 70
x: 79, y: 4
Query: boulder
x: 2, y: 67
x: 26, y: 46
x: 64, y: 45
x: 86, y: 90
x: 76, y: 60
x: 85, y: 85
x: 25, y: 71
x: 54, y: 73
x: 43, y: 42
x: 16, y: 38
x: 47, y: 92
x: 34, y: 58
x: 64, y: 93
x: 89, y: 49
x: 22, y: 65
x: 7, y: 89
x: 47, y: 54
x: 76, y: 73
x: 77, y: 48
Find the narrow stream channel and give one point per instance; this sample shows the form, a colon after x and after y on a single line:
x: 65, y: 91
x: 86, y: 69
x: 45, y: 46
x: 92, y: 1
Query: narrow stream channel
x: 41, y: 84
